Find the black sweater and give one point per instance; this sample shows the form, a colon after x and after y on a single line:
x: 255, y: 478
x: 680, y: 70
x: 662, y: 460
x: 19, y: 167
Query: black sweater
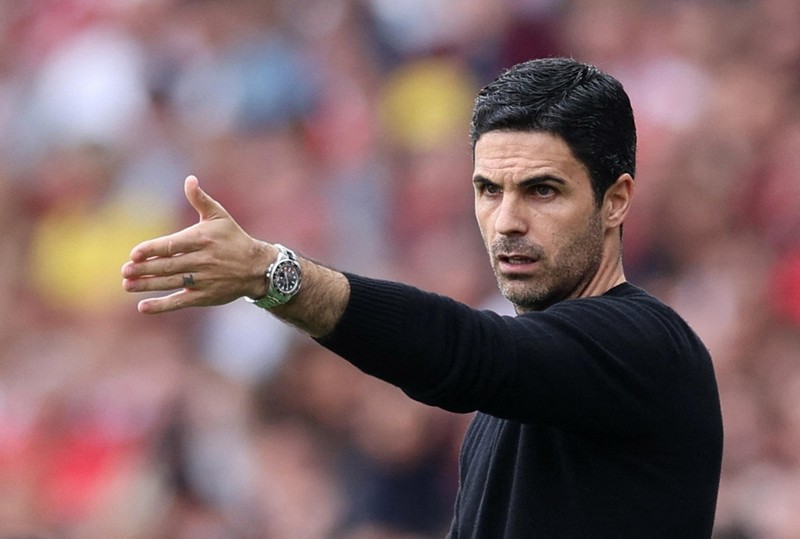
x: 598, y: 417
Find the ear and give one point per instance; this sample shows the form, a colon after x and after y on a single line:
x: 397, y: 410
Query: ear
x: 617, y: 201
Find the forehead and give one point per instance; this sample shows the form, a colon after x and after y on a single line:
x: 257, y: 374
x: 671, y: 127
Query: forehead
x: 518, y: 155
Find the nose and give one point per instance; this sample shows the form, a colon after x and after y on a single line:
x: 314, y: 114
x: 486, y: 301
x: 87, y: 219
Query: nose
x: 509, y: 219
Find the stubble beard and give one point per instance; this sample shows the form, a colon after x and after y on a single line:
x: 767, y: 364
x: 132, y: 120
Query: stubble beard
x: 556, y: 279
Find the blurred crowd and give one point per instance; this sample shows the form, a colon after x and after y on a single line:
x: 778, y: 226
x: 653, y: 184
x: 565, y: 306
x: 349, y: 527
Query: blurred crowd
x: 339, y: 128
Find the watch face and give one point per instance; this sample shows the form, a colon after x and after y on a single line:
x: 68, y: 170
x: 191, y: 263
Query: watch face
x: 286, y: 277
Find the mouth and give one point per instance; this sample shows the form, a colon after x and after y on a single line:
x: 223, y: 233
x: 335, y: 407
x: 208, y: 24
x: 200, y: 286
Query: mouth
x: 516, y: 263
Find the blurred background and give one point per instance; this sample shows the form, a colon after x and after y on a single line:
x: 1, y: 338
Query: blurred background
x: 339, y: 127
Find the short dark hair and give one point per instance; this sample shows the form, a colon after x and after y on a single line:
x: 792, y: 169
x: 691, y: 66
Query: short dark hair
x: 586, y: 107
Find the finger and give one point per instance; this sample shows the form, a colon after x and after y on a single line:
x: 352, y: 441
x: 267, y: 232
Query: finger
x: 160, y: 284
x: 206, y: 207
x: 160, y: 266
x: 177, y: 300
x: 182, y: 242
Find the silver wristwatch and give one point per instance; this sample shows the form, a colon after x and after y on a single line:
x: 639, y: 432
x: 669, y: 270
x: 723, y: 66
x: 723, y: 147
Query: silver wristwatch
x: 283, y: 279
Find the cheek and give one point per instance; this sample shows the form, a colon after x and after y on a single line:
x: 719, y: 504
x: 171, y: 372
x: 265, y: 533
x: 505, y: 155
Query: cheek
x: 483, y: 220
x: 586, y: 238
x: 562, y: 233
x: 486, y: 236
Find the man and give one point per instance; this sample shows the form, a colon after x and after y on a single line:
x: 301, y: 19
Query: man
x: 598, y: 413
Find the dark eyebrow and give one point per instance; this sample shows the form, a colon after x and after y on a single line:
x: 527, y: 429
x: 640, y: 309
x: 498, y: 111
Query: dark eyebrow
x: 524, y: 184
x: 482, y: 180
x: 540, y: 179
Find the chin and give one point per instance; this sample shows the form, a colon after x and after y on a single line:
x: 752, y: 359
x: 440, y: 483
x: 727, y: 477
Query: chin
x: 527, y: 300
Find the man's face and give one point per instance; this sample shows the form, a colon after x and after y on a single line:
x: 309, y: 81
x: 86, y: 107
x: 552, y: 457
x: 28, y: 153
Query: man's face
x: 538, y: 218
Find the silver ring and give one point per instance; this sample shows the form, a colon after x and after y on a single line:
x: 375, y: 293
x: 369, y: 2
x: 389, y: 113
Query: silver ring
x: 188, y: 280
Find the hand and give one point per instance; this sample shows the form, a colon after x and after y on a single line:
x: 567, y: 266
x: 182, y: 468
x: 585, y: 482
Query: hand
x: 210, y: 263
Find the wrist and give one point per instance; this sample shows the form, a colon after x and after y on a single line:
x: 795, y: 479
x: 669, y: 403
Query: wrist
x: 264, y: 255
x: 282, y: 278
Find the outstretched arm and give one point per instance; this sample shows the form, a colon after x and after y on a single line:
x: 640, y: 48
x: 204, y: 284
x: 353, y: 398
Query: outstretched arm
x: 215, y: 262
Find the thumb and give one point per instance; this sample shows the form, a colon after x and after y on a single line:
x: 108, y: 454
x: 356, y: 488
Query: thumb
x: 206, y: 207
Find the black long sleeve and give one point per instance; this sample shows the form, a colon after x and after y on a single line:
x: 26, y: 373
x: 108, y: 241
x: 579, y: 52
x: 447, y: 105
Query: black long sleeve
x: 592, y: 410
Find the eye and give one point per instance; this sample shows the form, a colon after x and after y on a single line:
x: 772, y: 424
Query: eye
x: 491, y: 189
x: 487, y: 188
x: 543, y: 190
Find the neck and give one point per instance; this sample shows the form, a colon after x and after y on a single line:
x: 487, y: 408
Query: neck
x: 609, y: 272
